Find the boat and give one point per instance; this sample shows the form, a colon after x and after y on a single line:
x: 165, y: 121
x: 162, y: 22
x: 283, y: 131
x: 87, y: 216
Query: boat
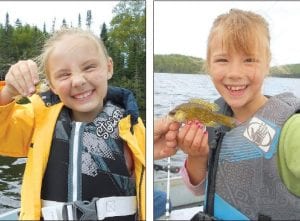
x: 184, y: 204
x: 10, y: 215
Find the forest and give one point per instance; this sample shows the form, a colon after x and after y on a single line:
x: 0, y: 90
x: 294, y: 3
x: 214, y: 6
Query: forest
x: 175, y: 63
x: 124, y: 37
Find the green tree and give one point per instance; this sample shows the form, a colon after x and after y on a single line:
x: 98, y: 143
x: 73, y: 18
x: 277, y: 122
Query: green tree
x: 127, y: 40
x: 44, y: 28
x: 79, y: 20
x: 89, y: 19
x: 18, y: 23
x: 26, y: 42
x: 64, y: 23
x: 53, y: 25
x: 6, y: 51
x: 103, y: 34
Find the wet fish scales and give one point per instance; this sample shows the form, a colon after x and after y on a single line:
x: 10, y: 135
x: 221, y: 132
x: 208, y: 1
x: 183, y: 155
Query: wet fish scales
x: 203, y: 113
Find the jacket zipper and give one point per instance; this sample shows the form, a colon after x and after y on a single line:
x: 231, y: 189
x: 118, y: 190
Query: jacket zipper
x: 75, y: 163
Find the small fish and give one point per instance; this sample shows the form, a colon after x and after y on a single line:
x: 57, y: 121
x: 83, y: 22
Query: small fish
x: 203, y: 111
x: 41, y: 87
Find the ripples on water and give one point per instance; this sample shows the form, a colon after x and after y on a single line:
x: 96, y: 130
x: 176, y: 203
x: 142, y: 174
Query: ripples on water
x: 173, y: 89
x: 11, y: 172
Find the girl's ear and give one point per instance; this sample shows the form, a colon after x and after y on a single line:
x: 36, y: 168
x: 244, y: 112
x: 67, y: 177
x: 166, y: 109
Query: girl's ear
x: 110, y: 68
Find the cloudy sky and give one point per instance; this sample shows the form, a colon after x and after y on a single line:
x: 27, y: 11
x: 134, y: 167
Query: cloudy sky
x: 179, y: 26
x: 182, y: 26
x: 38, y: 12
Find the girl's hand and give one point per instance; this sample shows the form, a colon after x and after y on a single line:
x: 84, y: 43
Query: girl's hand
x: 193, y: 140
x: 21, y: 79
x: 165, y: 133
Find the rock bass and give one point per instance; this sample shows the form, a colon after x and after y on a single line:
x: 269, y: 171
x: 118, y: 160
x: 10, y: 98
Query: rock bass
x: 203, y: 111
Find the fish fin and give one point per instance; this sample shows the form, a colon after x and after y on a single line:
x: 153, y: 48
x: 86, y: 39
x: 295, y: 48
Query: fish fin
x: 225, y: 120
x: 42, y: 86
x: 210, y: 106
x: 212, y: 124
x: 18, y: 97
x: 180, y: 116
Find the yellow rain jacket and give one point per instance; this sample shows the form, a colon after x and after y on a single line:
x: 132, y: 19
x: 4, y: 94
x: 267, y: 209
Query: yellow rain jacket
x: 27, y: 130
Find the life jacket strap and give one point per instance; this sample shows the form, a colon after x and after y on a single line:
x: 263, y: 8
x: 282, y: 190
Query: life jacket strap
x: 262, y: 217
x: 201, y: 216
x: 97, y: 209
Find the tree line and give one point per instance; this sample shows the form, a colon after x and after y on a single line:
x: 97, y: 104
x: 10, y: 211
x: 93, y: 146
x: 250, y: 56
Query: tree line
x: 125, y: 39
x: 175, y: 63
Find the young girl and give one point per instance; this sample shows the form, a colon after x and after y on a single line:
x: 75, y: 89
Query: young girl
x: 253, y: 169
x: 84, y: 141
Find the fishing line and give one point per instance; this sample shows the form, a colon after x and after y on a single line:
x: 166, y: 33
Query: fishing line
x: 169, y: 172
x: 168, y: 190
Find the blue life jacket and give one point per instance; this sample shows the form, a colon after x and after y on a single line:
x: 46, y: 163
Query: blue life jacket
x: 243, y: 180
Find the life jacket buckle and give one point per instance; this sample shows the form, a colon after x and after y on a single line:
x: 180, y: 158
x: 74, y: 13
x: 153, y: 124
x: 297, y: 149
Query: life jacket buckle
x: 80, y: 210
x: 201, y: 216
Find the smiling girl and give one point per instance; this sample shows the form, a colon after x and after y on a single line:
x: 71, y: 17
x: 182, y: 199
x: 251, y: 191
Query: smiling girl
x: 84, y: 140
x: 250, y: 172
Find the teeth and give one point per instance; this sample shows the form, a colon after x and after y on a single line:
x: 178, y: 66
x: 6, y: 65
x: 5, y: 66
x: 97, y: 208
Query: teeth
x: 236, y: 88
x: 84, y: 95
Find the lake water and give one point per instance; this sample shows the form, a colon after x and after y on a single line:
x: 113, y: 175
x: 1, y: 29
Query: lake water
x: 169, y: 90
x: 173, y: 89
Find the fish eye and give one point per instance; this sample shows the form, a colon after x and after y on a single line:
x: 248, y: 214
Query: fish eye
x: 172, y: 112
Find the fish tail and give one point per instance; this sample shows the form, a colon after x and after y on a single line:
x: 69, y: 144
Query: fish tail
x: 225, y: 120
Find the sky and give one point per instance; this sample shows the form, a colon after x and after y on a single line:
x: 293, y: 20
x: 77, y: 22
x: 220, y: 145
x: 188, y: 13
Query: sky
x: 38, y: 12
x: 182, y: 27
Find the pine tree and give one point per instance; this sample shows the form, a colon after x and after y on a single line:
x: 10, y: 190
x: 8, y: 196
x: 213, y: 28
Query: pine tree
x: 18, y: 23
x: 103, y: 34
x: 89, y: 19
x: 53, y: 25
x: 64, y: 23
x: 79, y: 20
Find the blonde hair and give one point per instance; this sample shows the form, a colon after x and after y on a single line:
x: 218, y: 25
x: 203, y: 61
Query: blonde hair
x: 42, y: 59
x: 241, y: 31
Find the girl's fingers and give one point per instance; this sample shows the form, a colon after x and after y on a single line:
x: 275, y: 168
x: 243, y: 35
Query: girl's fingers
x: 190, y: 136
x: 33, y: 71
x: 18, y: 81
x: 24, y: 71
x: 168, y: 151
x: 174, y: 126
x: 181, y: 135
x: 197, y: 142
x: 171, y: 135
x: 204, y: 143
x: 171, y: 144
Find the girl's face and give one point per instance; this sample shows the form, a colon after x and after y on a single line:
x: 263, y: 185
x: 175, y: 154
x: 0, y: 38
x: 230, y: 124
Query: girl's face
x: 78, y: 73
x: 237, y: 77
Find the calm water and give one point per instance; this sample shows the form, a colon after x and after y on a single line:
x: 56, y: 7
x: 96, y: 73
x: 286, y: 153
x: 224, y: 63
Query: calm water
x: 169, y: 90
x: 173, y: 89
x: 11, y: 172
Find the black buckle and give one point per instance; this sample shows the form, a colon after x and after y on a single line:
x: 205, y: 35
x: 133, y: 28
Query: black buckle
x: 81, y: 210
x: 201, y: 216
